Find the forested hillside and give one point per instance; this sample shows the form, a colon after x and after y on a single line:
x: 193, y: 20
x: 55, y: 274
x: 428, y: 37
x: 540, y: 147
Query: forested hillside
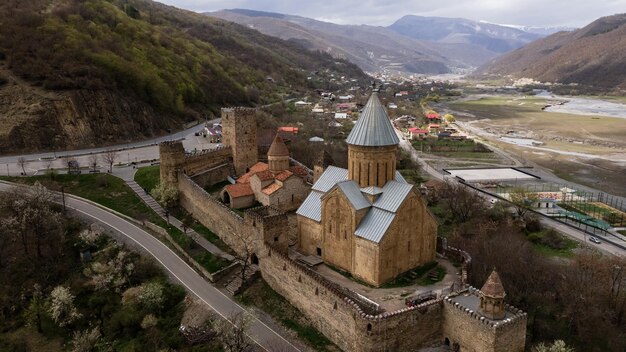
x: 107, y: 70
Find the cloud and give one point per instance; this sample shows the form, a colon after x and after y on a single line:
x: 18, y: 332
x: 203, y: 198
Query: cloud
x: 384, y: 12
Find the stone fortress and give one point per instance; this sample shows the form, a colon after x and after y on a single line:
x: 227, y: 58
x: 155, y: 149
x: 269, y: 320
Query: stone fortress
x: 365, y: 220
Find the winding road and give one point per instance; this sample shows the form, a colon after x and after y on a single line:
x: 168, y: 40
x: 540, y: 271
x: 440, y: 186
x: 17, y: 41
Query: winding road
x: 258, y: 331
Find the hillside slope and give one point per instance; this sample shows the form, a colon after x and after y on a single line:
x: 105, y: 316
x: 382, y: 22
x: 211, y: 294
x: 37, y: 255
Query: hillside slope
x: 593, y: 56
x: 79, y: 73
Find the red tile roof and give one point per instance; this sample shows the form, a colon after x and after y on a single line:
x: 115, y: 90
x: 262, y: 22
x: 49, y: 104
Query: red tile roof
x: 258, y: 167
x: 417, y: 130
x: 433, y: 116
x: 289, y: 129
x: 271, y: 188
x: 283, y: 175
x: 264, y: 175
x: 239, y: 190
x: 298, y: 171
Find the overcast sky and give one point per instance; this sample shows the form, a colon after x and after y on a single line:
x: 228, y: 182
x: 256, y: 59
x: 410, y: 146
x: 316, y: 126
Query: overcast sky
x: 574, y: 13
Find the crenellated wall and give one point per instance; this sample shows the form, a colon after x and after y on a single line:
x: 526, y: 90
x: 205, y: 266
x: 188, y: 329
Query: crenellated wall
x: 211, y: 164
x: 344, y: 321
x: 475, y: 333
x: 199, y: 162
x: 342, y: 316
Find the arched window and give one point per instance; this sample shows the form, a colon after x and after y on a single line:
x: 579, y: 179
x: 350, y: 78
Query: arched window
x: 335, y: 306
x: 369, y: 328
x: 317, y: 292
x: 299, y: 278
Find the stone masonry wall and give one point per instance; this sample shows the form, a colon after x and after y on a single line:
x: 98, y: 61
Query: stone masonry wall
x: 193, y: 164
x: 239, y: 131
x: 211, y: 213
x: 474, y: 333
x: 341, y: 319
x: 213, y: 176
x: 334, y: 311
x: 173, y: 159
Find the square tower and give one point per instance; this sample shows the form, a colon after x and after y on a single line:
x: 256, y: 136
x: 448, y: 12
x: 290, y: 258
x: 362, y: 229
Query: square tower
x: 239, y: 133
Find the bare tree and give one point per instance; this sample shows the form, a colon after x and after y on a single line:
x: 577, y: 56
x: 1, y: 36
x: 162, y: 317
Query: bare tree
x: 523, y: 200
x: 233, y: 332
x: 109, y: 157
x: 245, y: 252
x: 461, y: 203
x: 22, y: 162
x: 93, y: 162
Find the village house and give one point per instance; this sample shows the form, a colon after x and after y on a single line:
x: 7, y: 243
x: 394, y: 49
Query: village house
x: 417, y: 133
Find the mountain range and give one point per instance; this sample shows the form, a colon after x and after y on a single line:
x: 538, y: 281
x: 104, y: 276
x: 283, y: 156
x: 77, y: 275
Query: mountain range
x: 412, y: 44
x: 594, y: 56
x: 94, y: 72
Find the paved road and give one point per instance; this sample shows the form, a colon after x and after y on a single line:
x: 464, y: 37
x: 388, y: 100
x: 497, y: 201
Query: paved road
x: 126, y: 153
x: 122, y: 146
x: 267, y: 338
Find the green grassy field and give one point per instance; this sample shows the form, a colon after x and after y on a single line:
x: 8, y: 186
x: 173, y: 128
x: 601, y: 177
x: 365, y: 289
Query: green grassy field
x: 148, y: 177
x: 104, y: 189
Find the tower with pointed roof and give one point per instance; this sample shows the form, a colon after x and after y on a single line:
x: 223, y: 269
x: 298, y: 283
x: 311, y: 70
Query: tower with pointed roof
x: 278, y: 156
x: 372, y: 146
x: 492, y: 297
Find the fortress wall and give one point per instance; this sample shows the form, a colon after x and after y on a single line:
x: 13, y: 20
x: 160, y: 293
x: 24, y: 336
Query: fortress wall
x: 341, y: 319
x: 199, y: 162
x: 210, y: 212
x: 213, y: 176
x: 476, y: 334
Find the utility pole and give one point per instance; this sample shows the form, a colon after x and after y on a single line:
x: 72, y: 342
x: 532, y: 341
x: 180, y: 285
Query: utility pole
x: 63, y: 197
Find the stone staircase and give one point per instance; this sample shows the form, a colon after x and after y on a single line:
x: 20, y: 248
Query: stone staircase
x: 200, y: 240
x: 235, y: 284
x: 146, y: 198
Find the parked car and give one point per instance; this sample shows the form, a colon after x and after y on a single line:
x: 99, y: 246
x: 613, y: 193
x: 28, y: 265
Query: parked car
x: 594, y: 239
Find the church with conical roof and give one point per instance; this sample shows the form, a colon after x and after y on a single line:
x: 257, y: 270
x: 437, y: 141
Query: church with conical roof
x: 276, y: 183
x: 367, y: 220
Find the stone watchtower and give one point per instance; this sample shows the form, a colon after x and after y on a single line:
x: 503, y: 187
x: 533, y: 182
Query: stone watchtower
x: 321, y: 163
x: 239, y: 133
x: 172, y: 155
x: 372, y: 147
x: 492, y: 298
x: 278, y: 156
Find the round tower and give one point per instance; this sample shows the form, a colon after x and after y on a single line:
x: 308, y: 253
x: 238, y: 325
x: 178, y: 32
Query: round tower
x: 492, y: 297
x: 278, y: 155
x: 372, y: 146
x: 171, y: 155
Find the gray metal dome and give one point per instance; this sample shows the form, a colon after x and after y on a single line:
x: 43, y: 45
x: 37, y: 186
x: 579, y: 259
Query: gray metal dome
x: 373, y: 129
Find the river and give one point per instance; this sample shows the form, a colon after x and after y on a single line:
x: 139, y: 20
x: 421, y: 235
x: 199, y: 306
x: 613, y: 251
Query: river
x: 584, y: 106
